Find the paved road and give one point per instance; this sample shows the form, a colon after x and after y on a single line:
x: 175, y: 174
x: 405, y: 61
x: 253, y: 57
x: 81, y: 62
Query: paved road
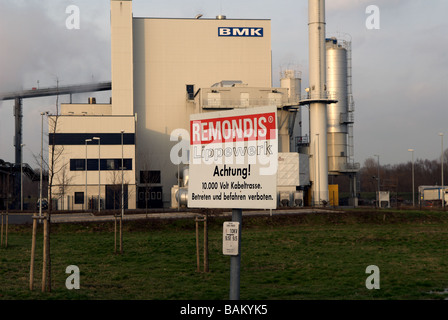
x: 18, y: 218
x: 24, y: 218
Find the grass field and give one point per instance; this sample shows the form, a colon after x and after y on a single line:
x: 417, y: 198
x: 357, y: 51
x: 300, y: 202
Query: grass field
x: 304, y: 257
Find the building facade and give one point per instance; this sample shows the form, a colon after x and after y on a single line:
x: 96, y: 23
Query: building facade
x: 163, y: 70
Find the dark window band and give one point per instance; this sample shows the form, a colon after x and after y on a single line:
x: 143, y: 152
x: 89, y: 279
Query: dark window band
x: 106, y: 164
x: 80, y: 138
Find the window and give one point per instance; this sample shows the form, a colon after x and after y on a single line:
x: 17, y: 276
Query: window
x: 110, y: 164
x: 127, y: 164
x: 106, y: 164
x: 92, y: 164
x: 150, y: 176
x: 77, y: 164
x: 190, y: 91
x: 79, y: 197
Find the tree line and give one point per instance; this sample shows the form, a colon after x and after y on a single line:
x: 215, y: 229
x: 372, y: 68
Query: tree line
x: 397, y: 177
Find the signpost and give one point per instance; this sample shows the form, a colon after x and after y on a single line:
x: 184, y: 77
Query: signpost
x: 233, y: 164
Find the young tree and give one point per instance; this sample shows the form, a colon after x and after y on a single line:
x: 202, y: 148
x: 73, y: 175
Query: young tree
x: 55, y: 166
x: 63, y: 181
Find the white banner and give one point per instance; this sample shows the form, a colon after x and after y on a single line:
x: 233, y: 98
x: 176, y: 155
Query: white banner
x: 233, y: 159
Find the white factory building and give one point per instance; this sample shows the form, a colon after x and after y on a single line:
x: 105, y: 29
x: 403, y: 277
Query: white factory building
x: 163, y: 70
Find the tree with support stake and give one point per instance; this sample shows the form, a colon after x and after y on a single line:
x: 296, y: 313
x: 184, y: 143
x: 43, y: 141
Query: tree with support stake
x: 55, y: 166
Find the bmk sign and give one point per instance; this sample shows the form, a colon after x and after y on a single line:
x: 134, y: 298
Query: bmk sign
x: 240, y: 32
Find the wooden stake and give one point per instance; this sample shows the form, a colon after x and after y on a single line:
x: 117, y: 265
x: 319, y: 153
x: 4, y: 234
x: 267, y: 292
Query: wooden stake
x: 121, y: 235
x: 205, y: 245
x: 197, y: 243
x: 115, y: 234
x: 2, y: 232
x: 44, y: 262
x: 33, y: 248
x: 6, y: 235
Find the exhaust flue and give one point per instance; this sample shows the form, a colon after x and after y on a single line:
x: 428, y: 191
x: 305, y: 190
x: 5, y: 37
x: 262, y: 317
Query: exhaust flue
x: 318, y: 102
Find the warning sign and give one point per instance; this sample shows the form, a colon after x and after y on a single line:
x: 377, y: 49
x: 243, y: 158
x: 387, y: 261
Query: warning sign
x: 233, y: 159
x: 230, y: 235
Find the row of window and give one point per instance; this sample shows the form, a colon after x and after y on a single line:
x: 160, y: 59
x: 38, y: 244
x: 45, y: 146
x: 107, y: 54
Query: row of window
x: 105, y: 164
x: 80, y: 138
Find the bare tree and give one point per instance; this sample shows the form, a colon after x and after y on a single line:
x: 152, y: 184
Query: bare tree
x: 115, y: 178
x: 149, y: 178
x: 55, y: 166
x: 63, y: 181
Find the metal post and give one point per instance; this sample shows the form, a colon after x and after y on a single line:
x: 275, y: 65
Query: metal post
x: 21, y: 177
x: 122, y: 175
x: 86, y: 198
x: 235, y: 261
x: 122, y: 194
x: 441, y: 160
x: 413, y: 184
x: 18, y: 129
x: 413, y: 193
x: 318, y: 168
x: 378, y: 178
x: 41, y: 160
x: 99, y: 172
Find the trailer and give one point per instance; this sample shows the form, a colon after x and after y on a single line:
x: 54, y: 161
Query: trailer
x: 431, y: 196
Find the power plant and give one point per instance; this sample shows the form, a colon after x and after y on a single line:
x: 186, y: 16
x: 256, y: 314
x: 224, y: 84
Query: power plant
x: 164, y: 70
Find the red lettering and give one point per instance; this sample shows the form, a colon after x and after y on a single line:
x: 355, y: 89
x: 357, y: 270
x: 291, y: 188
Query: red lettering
x: 233, y: 129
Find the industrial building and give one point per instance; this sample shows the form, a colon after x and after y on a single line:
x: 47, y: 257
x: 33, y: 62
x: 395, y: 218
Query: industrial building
x: 163, y: 70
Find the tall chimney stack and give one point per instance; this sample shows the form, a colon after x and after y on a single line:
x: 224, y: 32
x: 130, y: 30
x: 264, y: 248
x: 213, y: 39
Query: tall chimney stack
x: 318, y: 102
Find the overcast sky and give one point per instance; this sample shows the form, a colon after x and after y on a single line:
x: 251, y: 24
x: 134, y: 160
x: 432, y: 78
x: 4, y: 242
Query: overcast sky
x: 400, y: 71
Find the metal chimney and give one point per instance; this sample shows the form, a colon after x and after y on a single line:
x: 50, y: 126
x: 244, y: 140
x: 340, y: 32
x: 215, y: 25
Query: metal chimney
x: 318, y: 102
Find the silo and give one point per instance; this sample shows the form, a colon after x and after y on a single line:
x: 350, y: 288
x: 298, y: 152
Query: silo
x: 338, y: 115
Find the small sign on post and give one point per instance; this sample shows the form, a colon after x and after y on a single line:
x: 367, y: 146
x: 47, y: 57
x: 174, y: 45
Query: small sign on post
x: 230, y: 237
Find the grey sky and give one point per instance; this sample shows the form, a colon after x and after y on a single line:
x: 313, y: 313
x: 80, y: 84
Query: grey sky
x: 400, y: 71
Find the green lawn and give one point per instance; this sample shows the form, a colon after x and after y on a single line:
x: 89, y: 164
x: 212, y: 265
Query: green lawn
x: 303, y: 257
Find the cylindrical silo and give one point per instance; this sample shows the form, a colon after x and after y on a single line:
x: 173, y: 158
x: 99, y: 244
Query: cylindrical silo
x: 337, y: 113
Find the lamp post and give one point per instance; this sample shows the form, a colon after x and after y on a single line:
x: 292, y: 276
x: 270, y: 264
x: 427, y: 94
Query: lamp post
x: 122, y: 194
x: 21, y: 176
x: 85, y: 168
x: 99, y: 172
x: 376, y: 155
x: 441, y: 160
x: 413, y: 194
x: 122, y: 175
